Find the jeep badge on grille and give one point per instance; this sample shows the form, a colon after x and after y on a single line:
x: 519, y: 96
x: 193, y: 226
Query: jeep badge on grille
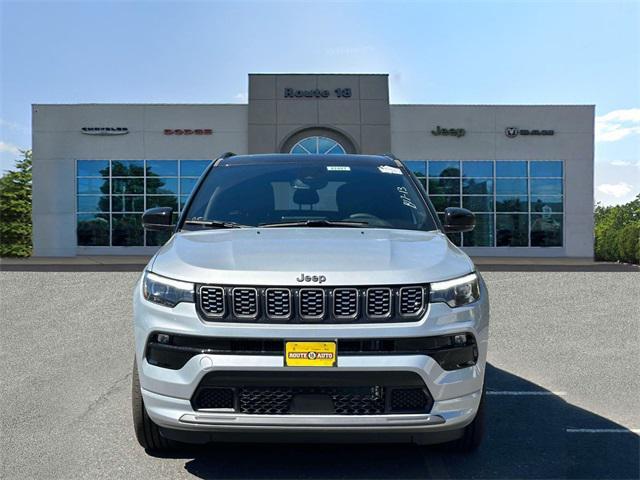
x: 311, y: 278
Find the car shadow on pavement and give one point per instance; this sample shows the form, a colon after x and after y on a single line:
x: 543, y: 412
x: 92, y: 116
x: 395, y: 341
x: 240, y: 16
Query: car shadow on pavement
x: 526, y: 437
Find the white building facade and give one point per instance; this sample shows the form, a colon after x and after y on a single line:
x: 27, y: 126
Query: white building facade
x: 526, y: 171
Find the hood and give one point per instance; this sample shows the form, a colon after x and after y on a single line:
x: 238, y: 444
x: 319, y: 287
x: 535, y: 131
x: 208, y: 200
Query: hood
x: 277, y: 256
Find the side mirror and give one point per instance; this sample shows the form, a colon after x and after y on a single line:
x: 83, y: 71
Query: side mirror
x: 156, y: 219
x: 458, y: 220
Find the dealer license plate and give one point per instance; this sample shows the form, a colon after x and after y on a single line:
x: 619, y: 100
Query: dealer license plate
x: 310, y: 354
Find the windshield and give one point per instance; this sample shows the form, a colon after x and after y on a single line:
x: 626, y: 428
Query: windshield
x: 309, y: 194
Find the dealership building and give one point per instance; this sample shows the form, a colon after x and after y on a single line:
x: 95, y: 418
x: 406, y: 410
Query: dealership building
x: 526, y: 171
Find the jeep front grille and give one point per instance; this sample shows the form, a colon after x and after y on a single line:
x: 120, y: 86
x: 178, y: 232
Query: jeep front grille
x: 403, y: 303
x: 278, y: 302
x: 345, y: 302
x: 212, y: 301
x: 311, y: 303
x: 245, y: 302
x: 411, y: 300
x: 379, y: 302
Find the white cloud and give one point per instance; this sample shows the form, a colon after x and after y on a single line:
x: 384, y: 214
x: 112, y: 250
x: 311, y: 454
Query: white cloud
x: 13, y: 126
x: 625, y: 163
x: 9, y: 148
x: 618, y: 124
x: 241, y: 97
x: 617, y: 190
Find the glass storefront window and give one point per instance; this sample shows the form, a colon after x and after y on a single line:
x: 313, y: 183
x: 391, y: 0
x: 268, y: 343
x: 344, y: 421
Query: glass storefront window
x: 92, y: 203
x: 546, y: 204
x: 193, y: 168
x: 506, y: 186
x: 444, y: 186
x: 546, y: 168
x: 512, y: 229
x: 439, y: 168
x: 127, y: 230
x: 162, y: 201
x: 162, y: 168
x: 477, y: 186
x: 127, y: 168
x: 482, y: 234
x: 507, y: 168
x: 127, y: 186
x: 546, y: 186
x: 93, y: 229
x: 127, y: 203
x: 112, y: 195
x: 512, y: 203
x: 92, y: 186
x: 92, y: 168
x: 546, y: 230
x: 162, y: 186
x: 476, y: 168
x: 441, y: 202
x: 478, y: 203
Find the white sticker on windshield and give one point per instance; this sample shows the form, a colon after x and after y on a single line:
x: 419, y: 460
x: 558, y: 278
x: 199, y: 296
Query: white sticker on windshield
x: 389, y: 169
x: 338, y: 168
x: 406, y: 200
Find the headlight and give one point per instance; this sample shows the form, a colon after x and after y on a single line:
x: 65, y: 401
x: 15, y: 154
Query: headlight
x: 456, y: 292
x: 166, y: 291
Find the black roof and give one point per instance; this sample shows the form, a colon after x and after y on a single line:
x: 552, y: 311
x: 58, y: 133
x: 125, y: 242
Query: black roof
x: 293, y: 158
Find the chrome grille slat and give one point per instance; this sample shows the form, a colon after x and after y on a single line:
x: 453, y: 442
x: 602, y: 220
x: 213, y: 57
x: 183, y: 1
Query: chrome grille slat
x: 245, y: 302
x: 317, y: 304
x: 212, y: 301
x: 311, y: 303
x: 411, y: 300
x: 278, y: 303
x: 345, y: 303
x: 379, y: 302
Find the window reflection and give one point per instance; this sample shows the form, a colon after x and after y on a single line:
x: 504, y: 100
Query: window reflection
x: 512, y: 230
x: 438, y: 168
x: 111, y: 196
x: 546, y: 230
x: 482, y: 234
x: 477, y: 186
x: 511, y: 169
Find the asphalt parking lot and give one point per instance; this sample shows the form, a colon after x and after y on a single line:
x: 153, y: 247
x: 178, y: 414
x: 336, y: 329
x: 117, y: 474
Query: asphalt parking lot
x: 563, y: 388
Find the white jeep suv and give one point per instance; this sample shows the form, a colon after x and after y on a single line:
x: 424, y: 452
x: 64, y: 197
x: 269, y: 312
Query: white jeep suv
x: 310, y: 297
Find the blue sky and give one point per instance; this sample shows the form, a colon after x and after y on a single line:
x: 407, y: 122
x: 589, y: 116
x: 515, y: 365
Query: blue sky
x: 435, y: 52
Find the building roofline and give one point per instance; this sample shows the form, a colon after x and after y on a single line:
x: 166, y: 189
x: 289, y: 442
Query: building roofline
x: 492, y: 104
x: 319, y: 74
x: 246, y: 104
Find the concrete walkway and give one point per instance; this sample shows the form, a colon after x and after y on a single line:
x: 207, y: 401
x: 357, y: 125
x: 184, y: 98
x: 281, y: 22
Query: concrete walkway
x: 132, y: 263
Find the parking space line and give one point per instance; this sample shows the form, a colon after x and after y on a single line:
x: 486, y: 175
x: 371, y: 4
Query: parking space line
x: 603, y: 430
x: 524, y: 393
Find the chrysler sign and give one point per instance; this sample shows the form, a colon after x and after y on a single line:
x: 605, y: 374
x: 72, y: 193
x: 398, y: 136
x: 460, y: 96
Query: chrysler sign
x: 104, y: 130
x: 188, y: 131
x: 513, y: 132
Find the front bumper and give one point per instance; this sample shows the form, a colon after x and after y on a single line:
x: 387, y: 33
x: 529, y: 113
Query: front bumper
x: 167, y: 393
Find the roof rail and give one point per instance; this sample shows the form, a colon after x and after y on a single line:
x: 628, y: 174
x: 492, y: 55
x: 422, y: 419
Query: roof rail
x: 223, y: 156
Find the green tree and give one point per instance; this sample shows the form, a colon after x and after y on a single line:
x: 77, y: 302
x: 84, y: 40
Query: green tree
x: 15, y: 209
x: 617, y: 232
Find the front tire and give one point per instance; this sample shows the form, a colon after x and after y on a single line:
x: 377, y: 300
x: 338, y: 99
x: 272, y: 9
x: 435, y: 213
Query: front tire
x: 473, y: 433
x: 147, y: 432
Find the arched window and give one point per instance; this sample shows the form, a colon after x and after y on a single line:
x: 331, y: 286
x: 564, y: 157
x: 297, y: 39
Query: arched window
x: 318, y: 145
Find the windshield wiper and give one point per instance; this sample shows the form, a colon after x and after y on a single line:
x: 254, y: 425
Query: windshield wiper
x: 214, y: 224
x: 316, y: 223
